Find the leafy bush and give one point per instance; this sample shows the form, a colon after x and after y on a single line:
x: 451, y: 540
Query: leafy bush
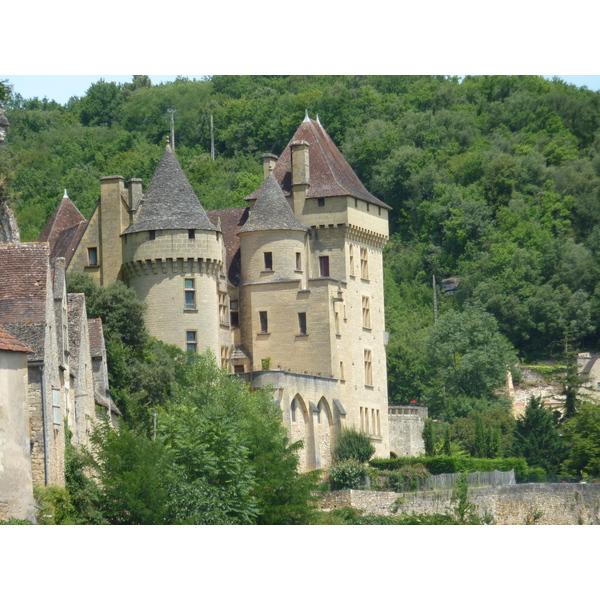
x: 56, y: 506
x: 347, y: 475
x: 352, y: 444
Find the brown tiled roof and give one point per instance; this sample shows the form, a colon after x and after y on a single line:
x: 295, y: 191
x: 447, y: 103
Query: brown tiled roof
x: 23, y: 280
x: 170, y: 202
x: 63, y: 231
x: 330, y: 173
x: 231, y: 222
x: 96, y: 337
x: 10, y: 342
x: 30, y: 334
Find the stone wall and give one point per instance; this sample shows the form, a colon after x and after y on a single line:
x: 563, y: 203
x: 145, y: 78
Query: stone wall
x: 552, y: 503
x: 406, y: 430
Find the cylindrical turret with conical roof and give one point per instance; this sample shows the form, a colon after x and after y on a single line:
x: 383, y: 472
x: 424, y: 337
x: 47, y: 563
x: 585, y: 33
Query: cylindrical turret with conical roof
x: 173, y: 259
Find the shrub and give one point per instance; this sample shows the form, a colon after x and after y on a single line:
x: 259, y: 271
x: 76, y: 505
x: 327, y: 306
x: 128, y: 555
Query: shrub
x: 347, y: 475
x: 352, y: 444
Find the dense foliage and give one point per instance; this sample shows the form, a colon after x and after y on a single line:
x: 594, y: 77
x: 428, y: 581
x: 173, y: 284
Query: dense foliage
x: 494, y: 185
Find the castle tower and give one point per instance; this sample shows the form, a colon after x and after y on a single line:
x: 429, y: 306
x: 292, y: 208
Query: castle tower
x: 342, y: 295
x: 273, y: 278
x: 173, y: 259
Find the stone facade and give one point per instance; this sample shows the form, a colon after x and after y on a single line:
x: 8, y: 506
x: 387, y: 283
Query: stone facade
x: 16, y: 484
x: 406, y: 430
x: 529, y: 503
x: 292, y: 284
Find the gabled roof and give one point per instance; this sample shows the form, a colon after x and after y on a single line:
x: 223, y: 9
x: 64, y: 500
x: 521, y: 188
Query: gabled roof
x: 231, y: 221
x: 64, y: 230
x: 10, y: 342
x: 23, y: 282
x: 330, y: 173
x: 271, y: 211
x: 170, y: 201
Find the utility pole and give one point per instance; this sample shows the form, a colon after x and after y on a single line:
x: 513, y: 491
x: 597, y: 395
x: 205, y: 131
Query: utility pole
x: 172, y: 112
x: 212, y: 138
x: 435, y: 311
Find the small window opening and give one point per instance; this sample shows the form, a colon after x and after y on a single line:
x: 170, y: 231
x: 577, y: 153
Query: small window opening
x: 190, y: 294
x: 321, y: 201
x: 93, y: 257
x: 234, y: 315
x: 302, y: 323
x: 264, y: 322
x: 324, y: 266
x: 191, y: 234
x: 298, y: 261
x: 191, y: 341
x: 152, y: 235
x: 268, y: 261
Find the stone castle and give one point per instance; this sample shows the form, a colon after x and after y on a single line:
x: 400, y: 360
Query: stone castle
x: 286, y: 292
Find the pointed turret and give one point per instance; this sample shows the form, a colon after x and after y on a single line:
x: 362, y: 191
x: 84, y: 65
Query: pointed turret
x: 170, y: 202
x: 271, y: 212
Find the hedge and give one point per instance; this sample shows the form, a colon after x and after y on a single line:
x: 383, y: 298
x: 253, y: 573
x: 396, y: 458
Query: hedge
x: 457, y: 464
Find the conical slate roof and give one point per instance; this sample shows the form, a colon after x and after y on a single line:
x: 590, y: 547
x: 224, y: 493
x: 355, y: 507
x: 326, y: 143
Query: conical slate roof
x: 271, y: 211
x: 170, y: 202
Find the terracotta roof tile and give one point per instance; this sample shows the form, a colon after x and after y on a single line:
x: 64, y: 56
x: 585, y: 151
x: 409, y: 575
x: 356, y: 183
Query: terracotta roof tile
x: 23, y: 282
x: 10, y: 342
x: 330, y: 173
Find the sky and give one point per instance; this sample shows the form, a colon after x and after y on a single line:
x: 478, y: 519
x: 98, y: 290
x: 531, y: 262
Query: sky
x: 62, y: 87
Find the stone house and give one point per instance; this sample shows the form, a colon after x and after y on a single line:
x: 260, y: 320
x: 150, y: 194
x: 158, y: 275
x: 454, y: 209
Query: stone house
x: 16, y: 484
x: 285, y: 292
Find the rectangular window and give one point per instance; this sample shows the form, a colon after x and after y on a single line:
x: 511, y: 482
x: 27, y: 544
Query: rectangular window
x: 268, y: 261
x: 191, y: 234
x: 222, y: 308
x: 351, y: 251
x: 92, y: 257
x: 56, y: 408
x: 321, y: 202
x: 190, y: 294
x: 364, y: 263
x: 191, y: 342
x: 234, y: 315
x: 342, y: 371
x: 264, y: 322
x: 302, y: 323
x: 324, y: 266
x: 366, y: 311
x: 238, y: 369
x: 368, y: 207
x: 336, y: 316
x: 362, y: 419
x: 298, y: 261
x: 225, y: 357
x: 368, y: 368
x: 152, y: 235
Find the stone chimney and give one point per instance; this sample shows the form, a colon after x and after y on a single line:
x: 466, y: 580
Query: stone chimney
x: 300, y: 174
x: 134, y: 196
x: 269, y: 161
x: 113, y: 212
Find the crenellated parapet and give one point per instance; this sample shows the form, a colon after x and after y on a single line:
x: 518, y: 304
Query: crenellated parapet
x: 362, y: 235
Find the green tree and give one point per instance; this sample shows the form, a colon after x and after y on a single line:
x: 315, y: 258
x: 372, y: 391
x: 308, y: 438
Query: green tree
x: 582, y: 436
x: 429, y: 438
x: 537, y: 438
x: 352, y: 444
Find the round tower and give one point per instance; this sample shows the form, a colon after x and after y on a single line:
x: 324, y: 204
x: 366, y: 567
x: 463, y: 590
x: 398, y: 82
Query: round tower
x: 274, y: 264
x: 173, y: 259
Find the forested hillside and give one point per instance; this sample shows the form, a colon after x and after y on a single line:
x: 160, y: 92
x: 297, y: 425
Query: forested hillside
x: 493, y: 180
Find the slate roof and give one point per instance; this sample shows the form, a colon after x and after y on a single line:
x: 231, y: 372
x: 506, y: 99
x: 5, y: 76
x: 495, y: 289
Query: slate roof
x: 23, y: 281
x: 271, y: 211
x: 330, y: 173
x: 10, y: 342
x: 170, y: 202
x: 231, y: 222
x: 96, y: 337
x: 63, y: 231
